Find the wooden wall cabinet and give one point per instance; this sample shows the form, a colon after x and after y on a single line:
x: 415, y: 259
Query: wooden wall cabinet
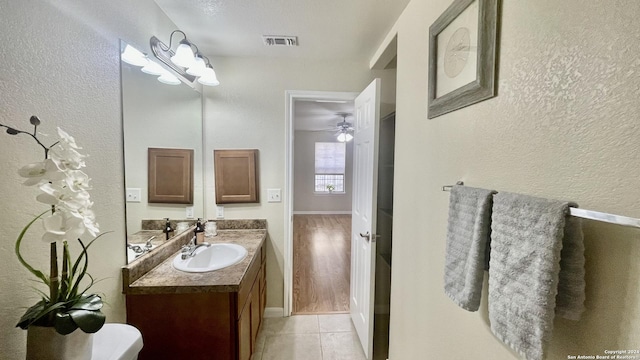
x: 202, y: 325
x: 236, y: 176
x: 170, y: 179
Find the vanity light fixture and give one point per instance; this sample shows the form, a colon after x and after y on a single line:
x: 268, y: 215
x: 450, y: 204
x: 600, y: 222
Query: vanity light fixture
x: 153, y: 68
x: 135, y: 57
x: 188, y: 64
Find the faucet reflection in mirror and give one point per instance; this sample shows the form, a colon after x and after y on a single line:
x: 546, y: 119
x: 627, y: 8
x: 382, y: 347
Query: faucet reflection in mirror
x: 64, y: 191
x: 184, y: 60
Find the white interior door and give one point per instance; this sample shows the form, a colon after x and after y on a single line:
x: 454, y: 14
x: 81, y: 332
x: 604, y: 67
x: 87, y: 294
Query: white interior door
x: 363, y: 219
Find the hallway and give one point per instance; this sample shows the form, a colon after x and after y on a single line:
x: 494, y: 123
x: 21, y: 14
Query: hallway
x: 321, y: 263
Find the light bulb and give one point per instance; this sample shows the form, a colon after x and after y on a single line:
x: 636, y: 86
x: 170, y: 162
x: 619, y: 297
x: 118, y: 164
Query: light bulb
x: 153, y: 68
x: 348, y: 137
x: 198, y: 67
x: 209, y: 77
x: 184, y: 55
x: 342, y: 137
x: 133, y: 56
x: 169, y: 79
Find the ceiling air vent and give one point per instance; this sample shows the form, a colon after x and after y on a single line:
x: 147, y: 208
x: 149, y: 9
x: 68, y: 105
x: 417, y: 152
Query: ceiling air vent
x: 278, y: 40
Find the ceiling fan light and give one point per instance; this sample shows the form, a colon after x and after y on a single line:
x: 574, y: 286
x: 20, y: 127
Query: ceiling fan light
x: 184, y: 55
x: 133, y: 56
x: 348, y: 137
x: 342, y: 137
x: 198, y: 67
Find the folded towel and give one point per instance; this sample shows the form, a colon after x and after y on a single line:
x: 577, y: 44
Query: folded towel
x: 529, y: 266
x: 467, y: 238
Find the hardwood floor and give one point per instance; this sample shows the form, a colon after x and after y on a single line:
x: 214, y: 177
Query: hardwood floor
x: 321, y: 263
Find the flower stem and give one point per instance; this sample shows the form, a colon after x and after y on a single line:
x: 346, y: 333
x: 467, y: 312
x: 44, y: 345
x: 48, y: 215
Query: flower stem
x: 53, y: 278
x: 15, y: 131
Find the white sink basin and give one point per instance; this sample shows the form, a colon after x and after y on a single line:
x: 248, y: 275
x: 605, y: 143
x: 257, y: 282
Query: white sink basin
x: 214, y: 257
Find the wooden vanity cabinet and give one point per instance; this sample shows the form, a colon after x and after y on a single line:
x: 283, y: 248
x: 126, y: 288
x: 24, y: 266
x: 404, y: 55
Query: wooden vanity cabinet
x: 202, y: 325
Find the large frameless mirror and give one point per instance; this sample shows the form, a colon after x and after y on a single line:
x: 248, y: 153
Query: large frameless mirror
x: 156, y: 114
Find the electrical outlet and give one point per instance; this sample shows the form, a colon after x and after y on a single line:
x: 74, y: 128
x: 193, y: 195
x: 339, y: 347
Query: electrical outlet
x: 134, y: 194
x: 189, y: 211
x: 273, y: 195
x: 220, y: 212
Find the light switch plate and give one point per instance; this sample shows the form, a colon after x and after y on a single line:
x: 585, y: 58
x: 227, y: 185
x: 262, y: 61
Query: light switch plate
x: 273, y: 195
x: 134, y: 194
x: 189, y: 212
x: 219, y: 212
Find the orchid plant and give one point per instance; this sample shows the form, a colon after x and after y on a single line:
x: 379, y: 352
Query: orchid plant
x: 64, y: 189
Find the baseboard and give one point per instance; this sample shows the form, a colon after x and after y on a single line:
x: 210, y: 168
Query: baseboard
x: 330, y: 212
x: 273, y: 312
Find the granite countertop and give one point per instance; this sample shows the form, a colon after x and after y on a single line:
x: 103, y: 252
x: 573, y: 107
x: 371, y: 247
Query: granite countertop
x: 142, y: 236
x: 164, y: 279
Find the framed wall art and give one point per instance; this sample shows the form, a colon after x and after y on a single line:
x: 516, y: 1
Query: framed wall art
x: 462, y: 56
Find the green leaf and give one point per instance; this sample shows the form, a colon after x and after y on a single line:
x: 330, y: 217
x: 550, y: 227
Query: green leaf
x: 91, y: 302
x: 64, y: 324
x: 88, y: 321
x: 31, y: 314
x: 37, y: 312
x: 35, y: 272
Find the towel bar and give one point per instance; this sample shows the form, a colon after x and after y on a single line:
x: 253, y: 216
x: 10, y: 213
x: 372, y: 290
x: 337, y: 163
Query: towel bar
x: 588, y: 214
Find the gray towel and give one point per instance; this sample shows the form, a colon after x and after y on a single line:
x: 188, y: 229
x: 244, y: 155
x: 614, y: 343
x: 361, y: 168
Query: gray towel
x: 529, y: 266
x: 467, y: 237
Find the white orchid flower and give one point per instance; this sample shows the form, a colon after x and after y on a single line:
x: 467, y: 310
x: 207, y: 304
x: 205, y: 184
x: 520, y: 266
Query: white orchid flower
x: 67, y: 158
x: 41, y: 171
x: 62, y: 196
x: 77, y: 180
x: 67, y: 139
x: 59, y: 227
x: 88, y: 220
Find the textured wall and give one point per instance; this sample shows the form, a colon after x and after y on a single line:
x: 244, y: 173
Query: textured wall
x: 60, y: 61
x: 248, y: 111
x: 564, y: 125
x: 304, y: 198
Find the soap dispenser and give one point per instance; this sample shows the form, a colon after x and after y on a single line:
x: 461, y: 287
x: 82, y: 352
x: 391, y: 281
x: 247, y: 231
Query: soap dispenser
x: 168, y: 230
x: 199, y: 232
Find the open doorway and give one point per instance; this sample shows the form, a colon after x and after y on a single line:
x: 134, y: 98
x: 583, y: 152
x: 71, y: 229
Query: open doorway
x: 381, y: 307
x: 322, y: 196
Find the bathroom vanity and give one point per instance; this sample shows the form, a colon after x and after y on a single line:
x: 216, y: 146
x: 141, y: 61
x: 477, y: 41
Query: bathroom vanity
x: 209, y: 315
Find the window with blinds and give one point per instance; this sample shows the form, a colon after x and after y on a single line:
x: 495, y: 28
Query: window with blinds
x: 330, y: 160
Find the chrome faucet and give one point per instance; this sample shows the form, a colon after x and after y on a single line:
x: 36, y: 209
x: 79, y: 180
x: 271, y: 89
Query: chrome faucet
x: 141, y: 250
x: 189, y: 250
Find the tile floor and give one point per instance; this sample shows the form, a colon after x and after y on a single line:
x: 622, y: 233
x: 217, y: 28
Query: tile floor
x: 308, y: 337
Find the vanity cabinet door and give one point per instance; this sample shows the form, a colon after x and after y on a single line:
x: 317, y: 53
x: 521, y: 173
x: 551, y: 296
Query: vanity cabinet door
x: 255, y: 315
x: 244, y: 335
x: 263, y: 289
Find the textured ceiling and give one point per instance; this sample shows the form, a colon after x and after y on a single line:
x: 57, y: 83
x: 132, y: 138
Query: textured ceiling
x: 329, y: 29
x: 311, y: 115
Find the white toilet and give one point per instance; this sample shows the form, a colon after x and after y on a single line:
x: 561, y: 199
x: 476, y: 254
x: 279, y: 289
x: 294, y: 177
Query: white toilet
x: 117, y: 342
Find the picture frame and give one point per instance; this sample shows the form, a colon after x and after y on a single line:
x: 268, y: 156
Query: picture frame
x: 462, y: 56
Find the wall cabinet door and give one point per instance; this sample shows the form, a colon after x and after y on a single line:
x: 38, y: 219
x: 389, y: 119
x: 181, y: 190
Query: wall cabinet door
x: 236, y: 174
x: 170, y: 176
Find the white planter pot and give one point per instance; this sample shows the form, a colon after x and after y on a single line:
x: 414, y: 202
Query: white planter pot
x: 44, y: 343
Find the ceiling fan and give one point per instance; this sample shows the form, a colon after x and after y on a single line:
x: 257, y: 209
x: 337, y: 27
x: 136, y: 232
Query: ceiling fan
x: 344, y: 129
